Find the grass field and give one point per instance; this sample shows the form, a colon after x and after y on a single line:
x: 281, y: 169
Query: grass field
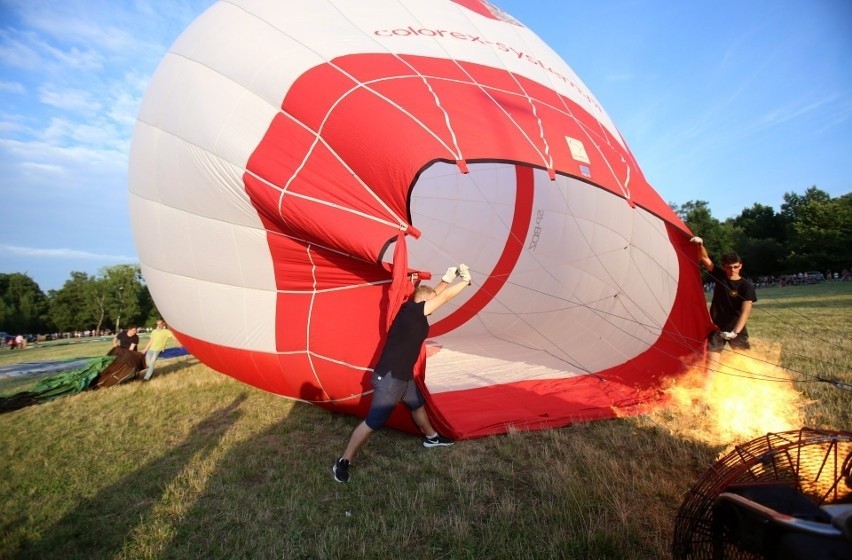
x: 197, y: 465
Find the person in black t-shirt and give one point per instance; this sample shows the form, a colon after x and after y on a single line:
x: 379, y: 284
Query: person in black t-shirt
x: 127, y: 339
x: 733, y: 297
x: 393, y: 376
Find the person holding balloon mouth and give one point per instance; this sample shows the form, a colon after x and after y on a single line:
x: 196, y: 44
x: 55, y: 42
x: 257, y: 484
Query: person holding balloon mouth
x: 733, y: 297
x: 393, y: 376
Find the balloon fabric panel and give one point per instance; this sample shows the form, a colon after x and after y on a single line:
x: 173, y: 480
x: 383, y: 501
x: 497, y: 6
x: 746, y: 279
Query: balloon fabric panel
x: 286, y: 180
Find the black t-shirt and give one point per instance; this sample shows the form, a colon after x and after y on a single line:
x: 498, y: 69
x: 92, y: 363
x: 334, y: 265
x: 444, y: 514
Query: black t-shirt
x: 728, y: 298
x: 405, y: 339
x: 125, y: 341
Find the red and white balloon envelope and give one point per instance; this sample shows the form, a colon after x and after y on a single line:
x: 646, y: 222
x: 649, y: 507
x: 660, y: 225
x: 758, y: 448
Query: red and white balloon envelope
x: 295, y: 162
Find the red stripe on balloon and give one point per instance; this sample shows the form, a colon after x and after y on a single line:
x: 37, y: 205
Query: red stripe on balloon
x: 494, y: 282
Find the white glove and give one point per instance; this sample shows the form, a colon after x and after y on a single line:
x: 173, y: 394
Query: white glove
x: 697, y: 240
x: 729, y: 335
x: 464, y: 272
x: 451, y: 274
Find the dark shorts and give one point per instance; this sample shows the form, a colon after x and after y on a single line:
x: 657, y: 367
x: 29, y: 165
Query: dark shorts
x: 387, y: 393
x: 715, y: 342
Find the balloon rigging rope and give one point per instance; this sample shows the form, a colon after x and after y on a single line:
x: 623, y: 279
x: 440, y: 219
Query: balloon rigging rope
x: 633, y: 319
x: 692, y: 259
x: 318, y: 133
x: 545, y: 157
x: 308, y: 323
x: 487, y: 92
x: 593, y: 138
x: 623, y: 186
x: 570, y: 361
x: 548, y: 163
x: 809, y: 377
x: 543, y: 151
x: 600, y: 313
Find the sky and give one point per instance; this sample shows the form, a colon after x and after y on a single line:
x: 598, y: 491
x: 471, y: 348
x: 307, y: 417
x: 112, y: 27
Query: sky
x: 730, y: 102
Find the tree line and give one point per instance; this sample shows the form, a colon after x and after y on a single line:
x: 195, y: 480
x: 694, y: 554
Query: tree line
x: 115, y: 296
x: 812, y: 231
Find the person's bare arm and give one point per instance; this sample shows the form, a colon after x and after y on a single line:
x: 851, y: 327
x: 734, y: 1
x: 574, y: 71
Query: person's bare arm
x: 446, y: 295
x: 448, y: 292
x: 745, y: 311
x: 703, y: 257
x: 448, y: 278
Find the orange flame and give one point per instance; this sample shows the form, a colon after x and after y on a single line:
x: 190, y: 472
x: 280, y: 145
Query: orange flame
x: 742, y: 397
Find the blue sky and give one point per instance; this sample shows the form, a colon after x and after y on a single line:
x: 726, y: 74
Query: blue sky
x: 732, y: 102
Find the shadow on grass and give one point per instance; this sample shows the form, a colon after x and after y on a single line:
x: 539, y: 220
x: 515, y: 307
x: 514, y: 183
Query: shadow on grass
x: 546, y: 494
x: 168, y: 367
x: 272, y: 495
x: 99, y: 526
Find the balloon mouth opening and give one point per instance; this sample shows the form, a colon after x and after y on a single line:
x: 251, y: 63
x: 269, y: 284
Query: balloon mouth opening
x: 544, y: 253
x: 479, y: 215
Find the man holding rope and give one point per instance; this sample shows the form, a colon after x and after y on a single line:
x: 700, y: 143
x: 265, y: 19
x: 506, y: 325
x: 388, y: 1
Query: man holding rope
x: 393, y: 376
x: 733, y: 297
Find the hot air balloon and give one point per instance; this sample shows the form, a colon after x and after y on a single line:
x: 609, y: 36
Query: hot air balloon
x: 297, y: 165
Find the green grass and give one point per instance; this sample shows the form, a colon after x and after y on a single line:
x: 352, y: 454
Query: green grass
x: 813, y: 326
x: 56, y: 350
x: 197, y: 465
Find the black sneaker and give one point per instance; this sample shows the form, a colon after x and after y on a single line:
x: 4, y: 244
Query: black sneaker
x: 341, y: 470
x: 437, y: 441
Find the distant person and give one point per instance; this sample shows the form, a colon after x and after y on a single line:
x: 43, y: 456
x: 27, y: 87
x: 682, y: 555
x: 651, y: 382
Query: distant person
x: 127, y: 338
x: 156, y: 344
x: 393, y: 376
x: 20, y: 342
x: 733, y: 298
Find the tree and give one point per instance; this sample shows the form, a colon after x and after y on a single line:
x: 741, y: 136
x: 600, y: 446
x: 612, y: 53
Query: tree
x: 761, y: 257
x: 96, y: 296
x: 24, y: 306
x: 718, y: 237
x: 760, y: 234
x: 115, y: 296
x: 121, y: 291
x: 761, y: 222
x: 68, y: 304
x: 794, y: 203
x: 820, y: 233
x: 5, y: 314
x: 148, y: 310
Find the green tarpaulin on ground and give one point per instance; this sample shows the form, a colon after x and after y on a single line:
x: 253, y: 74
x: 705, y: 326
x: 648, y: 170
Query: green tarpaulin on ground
x: 59, y: 385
